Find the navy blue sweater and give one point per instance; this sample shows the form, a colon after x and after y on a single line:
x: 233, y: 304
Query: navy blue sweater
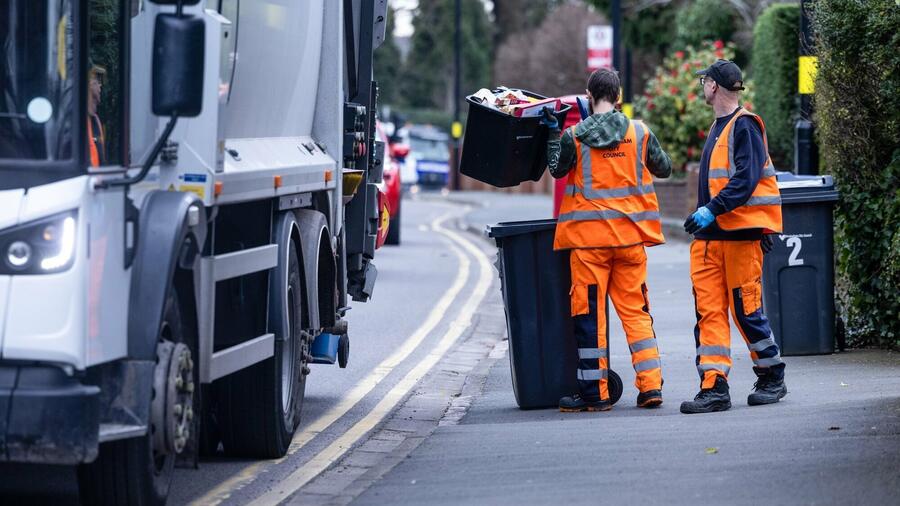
x: 749, y: 159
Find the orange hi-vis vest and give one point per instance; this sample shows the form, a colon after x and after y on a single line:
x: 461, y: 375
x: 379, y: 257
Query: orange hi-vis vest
x: 93, y: 140
x: 610, y: 201
x: 763, y: 209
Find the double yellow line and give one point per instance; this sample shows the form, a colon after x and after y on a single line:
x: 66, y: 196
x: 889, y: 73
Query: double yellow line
x: 337, y: 449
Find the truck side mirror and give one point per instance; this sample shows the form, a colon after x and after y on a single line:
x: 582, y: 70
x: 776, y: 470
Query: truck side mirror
x: 178, y: 57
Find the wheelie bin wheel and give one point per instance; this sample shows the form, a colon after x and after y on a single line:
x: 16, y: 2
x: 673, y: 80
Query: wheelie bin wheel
x: 344, y: 353
x: 614, y: 383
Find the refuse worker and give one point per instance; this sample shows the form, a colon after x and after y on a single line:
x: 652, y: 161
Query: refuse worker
x: 608, y: 214
x: 738, y: 202
x: 96, y: 137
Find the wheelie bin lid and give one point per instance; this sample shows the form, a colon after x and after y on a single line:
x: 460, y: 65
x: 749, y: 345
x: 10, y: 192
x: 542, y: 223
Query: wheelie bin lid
x: 797, y: 189
x: 511, y: 228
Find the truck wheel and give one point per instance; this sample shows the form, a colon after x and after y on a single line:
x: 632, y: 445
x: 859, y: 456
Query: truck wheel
x: 393, y: 237
x: 261, y: 405
x: 134, y: 471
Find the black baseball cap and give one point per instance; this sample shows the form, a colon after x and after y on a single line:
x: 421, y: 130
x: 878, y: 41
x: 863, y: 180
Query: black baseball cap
x: 726, y: 73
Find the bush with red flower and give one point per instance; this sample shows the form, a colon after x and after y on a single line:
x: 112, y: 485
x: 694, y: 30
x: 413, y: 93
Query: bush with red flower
x: 673, y: 104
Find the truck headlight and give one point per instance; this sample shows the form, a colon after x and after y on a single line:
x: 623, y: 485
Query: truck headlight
x: 40, y: 247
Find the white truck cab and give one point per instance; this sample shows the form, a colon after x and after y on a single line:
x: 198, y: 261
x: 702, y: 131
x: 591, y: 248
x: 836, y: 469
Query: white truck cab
x: 187, y: 201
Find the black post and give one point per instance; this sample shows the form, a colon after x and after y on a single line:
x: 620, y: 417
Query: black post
x: 626, y: 94
x: 457, y: 71
x: 617, y: 35
x: 806, y: 152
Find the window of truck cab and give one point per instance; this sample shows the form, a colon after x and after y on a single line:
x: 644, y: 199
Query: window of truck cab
x: 60, y: 58
x: 39, y: 92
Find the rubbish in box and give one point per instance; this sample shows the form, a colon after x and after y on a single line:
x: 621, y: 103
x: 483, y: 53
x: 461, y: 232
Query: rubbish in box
x: 514, y: 102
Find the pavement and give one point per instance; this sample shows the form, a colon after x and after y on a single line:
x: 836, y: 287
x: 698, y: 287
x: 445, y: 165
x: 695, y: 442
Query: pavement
x: 835, y: 439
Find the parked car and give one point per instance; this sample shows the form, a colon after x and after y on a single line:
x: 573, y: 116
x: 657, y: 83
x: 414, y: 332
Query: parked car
x: 429, y: 155
x: 390, y: 186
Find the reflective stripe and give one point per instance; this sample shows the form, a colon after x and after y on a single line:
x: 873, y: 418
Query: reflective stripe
x: 639, y: 135
x: 609, y: 193
x: 714, y: 367
x: 609, y: 214
x: 719, y: 174
x: 763, y: 201
x: 730, y: 127
x: 762, y: 345
x: 768, y: 362
x: 586, y: 170
x: 715, y: 351
x: 589, y: 353
x: 643, y: 344
x: 646, y: 365
x: 591, y: 374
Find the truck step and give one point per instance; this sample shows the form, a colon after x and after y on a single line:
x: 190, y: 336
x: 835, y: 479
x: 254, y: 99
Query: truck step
x: 116, y: 431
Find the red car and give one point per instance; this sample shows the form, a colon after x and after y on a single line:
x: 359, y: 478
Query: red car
x: 390, y: 187
x: 559, y: 187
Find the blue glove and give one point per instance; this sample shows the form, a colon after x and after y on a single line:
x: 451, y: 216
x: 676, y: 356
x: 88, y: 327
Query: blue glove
x: 548, y: 119
x: 701, y: 219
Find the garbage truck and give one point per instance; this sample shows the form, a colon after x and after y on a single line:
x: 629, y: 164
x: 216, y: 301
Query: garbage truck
x: 188, y: 198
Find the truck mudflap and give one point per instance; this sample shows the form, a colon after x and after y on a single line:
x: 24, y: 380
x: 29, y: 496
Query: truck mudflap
x: 46, y: 416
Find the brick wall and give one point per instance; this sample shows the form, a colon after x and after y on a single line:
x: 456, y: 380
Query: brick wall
x: 678, y: 196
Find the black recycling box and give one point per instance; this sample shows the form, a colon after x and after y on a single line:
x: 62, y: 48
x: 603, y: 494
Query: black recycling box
x: 502, y: 150
x: 535, y: 281
x: 798, y: 274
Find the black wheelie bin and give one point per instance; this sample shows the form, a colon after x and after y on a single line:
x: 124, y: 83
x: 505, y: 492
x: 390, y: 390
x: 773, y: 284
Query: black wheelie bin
x: 534, y: 281
x: 504, y: 150
x: 798, y: 274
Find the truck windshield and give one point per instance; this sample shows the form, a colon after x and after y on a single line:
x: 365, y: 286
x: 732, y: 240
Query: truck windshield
x: 37, y: 92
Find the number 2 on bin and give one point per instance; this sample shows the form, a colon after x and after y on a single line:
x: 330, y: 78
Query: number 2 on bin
x: 796, y: 244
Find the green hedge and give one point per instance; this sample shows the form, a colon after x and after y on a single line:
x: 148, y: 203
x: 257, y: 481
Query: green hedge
x: 858, y: 116
x: 703, y: 20
x: 776, y: 45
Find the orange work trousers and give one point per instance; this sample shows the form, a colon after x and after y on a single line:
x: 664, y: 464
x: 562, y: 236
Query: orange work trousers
x: 620, y: 273
x: 726, y: 277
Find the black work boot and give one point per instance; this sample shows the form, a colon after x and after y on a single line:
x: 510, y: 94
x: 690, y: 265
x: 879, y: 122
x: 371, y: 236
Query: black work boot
x: 575, y: 404
x: 649, y: 399
x: 709, y: 399
x: 769, y: 387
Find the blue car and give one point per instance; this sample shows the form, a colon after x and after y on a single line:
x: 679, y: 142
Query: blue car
x: 429, y: 154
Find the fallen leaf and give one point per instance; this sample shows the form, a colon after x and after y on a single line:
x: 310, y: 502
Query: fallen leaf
x: 712, y: 450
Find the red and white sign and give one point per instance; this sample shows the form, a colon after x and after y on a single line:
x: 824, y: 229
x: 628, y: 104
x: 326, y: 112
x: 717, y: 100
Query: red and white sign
x: 599, y: 47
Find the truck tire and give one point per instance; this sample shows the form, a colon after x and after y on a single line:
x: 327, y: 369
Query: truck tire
x: 130, y: 471
x: 393, y: 237
x: 260, y: 405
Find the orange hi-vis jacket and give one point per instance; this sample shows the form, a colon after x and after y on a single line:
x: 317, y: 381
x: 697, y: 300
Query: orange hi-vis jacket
x: 610, y: 200
x: 763, y: 209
